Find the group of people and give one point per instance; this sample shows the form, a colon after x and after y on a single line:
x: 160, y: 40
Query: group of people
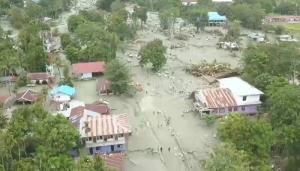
x: 161, y: 149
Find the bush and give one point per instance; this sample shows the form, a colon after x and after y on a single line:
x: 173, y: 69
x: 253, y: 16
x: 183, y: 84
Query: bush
x: 65, y: 40
x: 210, y: 119
x: 22, y: 80
x: 279, y: 30
x: 154, y: 53
x: 67, y: 81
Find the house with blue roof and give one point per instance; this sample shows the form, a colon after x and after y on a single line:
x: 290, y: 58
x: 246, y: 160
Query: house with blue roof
x: 63, y: 93
x: 215, y: 19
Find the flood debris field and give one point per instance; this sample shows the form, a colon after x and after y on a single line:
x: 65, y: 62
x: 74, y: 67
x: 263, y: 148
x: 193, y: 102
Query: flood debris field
x: 167, y: 135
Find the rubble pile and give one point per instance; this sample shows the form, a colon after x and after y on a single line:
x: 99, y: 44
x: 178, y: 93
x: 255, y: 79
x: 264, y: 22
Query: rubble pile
x: 210, y: 69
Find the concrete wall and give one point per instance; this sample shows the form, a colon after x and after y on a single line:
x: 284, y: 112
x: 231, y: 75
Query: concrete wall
x: 107, y: 149
x: 252, y: 99
x: 246, y: 109
x: 86, y: 76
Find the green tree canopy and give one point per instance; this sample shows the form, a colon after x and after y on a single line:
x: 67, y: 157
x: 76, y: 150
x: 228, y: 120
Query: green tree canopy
x: 118, y: 76
x: 249, y: 15
x: 74, y: 21
x: 104, y: 4
x: 154, y: 53
x: 226, y: 157
x: 54, y: 7
x: 140, y: 13
x: 284, y: 108
x: 36, y: 140
x: 197, y: 16
x: 17, y: 17
x: 254, y: 137
x: 234, y: 31
x: 266, y: 61
x: 168, y: 17
x: 288, y: 8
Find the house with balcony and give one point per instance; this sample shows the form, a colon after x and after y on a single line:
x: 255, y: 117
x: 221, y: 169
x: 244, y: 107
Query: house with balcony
x: 232, y: 95
x: 104, y: 134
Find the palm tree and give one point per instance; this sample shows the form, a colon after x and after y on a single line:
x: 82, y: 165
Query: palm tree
x: 9, y: 62
x: 59, y: 64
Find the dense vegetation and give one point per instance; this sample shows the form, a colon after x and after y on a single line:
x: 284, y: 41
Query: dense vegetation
x: 275, y: 132
x: 96, y: 35
x: 118, y: 75
x: 154, y: 53
x: 35, y: 140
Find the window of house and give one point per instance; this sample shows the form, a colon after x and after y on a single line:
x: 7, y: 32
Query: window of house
x: 97, y: 148
x: 230, y: 109
x: 235, y: 108
x: 94, y: 139
x: 222, y: 110
x: 118, y: 145
x: 244, y: 98
x: 90, y: 138
x: 105, y: 138
x: 101, y: 137
x: 243, y: 108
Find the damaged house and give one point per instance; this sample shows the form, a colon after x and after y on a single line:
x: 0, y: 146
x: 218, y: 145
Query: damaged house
x: 232, y: 95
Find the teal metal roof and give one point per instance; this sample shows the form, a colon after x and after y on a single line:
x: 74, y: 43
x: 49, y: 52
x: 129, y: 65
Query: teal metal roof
x: 65, y: 89
x: 216, y: 16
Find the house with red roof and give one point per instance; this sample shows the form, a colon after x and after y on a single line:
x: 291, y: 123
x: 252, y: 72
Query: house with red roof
x: 114, y: 160
x: 27, y: 97
x: 232, y: 95
x: 104, y: 134
x: 88, y: 70
x: 39, y: 78
x: 78, y: 112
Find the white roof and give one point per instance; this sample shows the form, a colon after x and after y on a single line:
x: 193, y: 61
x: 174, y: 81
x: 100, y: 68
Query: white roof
x: 239, y: 87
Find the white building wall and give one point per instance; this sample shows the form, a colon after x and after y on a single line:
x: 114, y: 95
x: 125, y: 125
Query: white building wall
x: 252, y: 99
x: 86, y: 76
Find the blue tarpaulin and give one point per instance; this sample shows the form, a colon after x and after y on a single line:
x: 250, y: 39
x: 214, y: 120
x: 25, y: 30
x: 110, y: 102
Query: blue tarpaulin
x: 215, y: 16
x: 64, y: 89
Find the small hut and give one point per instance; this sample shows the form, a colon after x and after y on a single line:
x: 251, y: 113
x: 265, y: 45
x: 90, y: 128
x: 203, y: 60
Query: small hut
x: 103, y: 87
x: 27, y: 97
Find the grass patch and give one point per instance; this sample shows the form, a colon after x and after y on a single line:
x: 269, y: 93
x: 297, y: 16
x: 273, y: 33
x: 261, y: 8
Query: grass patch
x: 295, y: 28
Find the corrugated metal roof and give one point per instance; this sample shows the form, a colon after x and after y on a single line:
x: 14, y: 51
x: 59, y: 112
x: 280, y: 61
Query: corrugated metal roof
x: 89, y: 67
x: 114, y: 160
x: 27, y: 96
x: 107, y: 125
x: 39, y: 76
x: 218, y: 98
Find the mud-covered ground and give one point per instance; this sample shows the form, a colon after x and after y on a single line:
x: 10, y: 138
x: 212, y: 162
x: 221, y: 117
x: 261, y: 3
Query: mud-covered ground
x: 161, y: 115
